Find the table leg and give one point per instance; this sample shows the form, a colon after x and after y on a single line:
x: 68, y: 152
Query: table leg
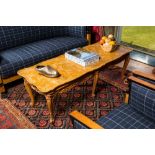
x: 50, y: 107
x: 29, y: 91
x: 126, y: 62
x: 96, y: 75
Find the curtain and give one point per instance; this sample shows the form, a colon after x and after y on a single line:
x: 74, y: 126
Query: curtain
x: 117, y: 33
x: 97, y: 32
x: 109, y: 30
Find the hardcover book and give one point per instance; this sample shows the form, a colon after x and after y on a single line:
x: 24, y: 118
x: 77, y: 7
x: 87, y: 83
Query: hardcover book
x: 82, y: 57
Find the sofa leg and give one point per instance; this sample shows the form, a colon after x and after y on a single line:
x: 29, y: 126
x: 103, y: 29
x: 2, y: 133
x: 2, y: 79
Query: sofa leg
x: 126, y: 99
x: 3, y: 92
x: 2, y: 89
x: 88, y: 37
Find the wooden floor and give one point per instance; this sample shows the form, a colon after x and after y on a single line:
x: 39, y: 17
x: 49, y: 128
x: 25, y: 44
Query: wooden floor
x: 136, y: 65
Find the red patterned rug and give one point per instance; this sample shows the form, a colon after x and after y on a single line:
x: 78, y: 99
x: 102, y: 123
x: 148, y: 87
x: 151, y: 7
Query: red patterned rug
x: 12, y: 118
x: 107, y: 98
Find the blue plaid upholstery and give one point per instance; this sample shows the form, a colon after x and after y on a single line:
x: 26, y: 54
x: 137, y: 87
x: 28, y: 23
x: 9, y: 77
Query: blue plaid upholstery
x: 11, y: 36
x: 26, y: 55
x: 78, y: 125
x: 143, y: 100
x: 139, y: 113
x: 75, y: 31
x: 126, y: 117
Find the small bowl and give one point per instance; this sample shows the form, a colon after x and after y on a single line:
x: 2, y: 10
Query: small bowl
x: 47, y: 71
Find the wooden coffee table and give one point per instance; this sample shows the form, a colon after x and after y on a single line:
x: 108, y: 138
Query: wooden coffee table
x: 71, y: 74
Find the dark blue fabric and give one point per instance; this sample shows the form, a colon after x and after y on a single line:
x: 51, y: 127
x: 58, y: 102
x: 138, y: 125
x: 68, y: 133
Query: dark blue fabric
x: 75, y: 31
x: 32, y: 53
x: 126, y: 117
x: 139, y: 113
x: 12, y: 36
x: 78, y: 125
x: 143, y: 100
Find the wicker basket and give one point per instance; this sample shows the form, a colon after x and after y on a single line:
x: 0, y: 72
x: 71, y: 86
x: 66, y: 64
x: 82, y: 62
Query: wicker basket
x: 109, y: 48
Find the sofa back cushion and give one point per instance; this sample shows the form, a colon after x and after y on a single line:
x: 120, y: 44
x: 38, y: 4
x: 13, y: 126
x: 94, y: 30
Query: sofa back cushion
x: 11, y: 36
x: 75, y: 31
x: 143, y: 100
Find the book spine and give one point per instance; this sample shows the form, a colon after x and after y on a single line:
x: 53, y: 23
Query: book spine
x: 74, y: 59
x: 92, y: 61
x: 91, y: 56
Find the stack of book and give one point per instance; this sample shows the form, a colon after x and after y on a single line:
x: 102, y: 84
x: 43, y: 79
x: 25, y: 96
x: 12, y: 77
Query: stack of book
x: 81, y: 57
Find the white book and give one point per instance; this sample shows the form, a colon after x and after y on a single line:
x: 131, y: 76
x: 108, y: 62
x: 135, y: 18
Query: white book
x: 83, y: 55
x: 83, y: 58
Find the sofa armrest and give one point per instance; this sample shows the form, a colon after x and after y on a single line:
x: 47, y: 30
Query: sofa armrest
x: 144, y: 75
x: 142, y: 82
x: 75, y: 115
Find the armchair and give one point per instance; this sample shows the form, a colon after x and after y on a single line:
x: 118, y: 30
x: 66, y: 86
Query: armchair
x: 139, y: 113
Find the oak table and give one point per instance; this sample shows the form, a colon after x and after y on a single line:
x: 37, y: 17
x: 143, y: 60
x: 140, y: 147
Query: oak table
x: 71, y: 74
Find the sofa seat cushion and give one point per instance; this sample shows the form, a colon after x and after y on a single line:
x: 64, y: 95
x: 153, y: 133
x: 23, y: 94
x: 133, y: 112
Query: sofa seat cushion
x: 143, y: 99
x: 32, y: 53
x: 125, y: 117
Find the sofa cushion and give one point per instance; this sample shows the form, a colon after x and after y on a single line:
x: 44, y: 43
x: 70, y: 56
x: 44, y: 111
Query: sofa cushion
x: 143, y: 100
x: 32, y: 53
x: 126, y: 117
x: 75, y: 31
x: 11, y: 36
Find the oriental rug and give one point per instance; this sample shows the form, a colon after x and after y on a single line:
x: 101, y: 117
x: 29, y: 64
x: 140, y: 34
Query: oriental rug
x: 107, y: 97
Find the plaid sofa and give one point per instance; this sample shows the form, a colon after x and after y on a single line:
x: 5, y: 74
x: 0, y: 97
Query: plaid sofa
x: 23, y: 46
x: 138, y: 114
